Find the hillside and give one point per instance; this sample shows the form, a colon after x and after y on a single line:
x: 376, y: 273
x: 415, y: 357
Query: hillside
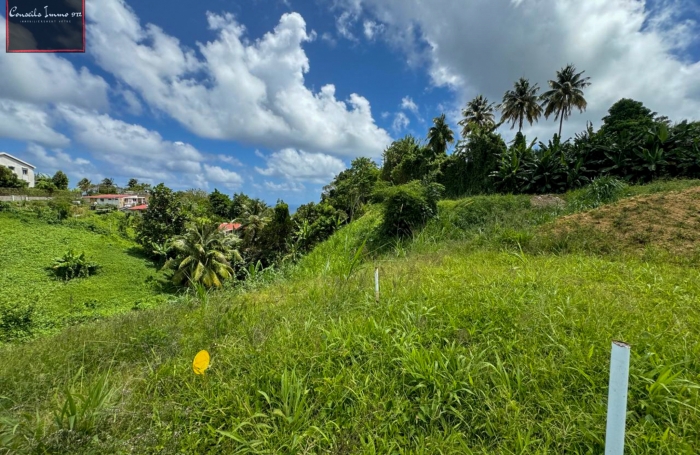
x: 483, y: 341
x: 34, y: 301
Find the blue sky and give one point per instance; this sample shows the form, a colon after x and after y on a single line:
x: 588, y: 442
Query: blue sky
x: 275, y: 97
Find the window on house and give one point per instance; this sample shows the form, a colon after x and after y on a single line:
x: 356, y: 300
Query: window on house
x: 24, y: 171
x: 12, y: 168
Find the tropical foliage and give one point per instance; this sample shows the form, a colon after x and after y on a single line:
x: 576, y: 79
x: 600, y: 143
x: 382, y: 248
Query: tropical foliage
x: 203, y: 256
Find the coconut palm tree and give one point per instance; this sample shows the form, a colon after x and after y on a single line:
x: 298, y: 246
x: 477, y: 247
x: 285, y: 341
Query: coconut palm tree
x: 479, y: 113
x: 256, y: 214
x: 566, y: 93
x: 85, y: 184
x: 440, y: 135
x: 203, y: 254
x: 521, y: 103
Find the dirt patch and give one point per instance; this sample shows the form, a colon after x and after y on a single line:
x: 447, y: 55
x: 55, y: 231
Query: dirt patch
x: 669, y: 221
x: 547, y: 200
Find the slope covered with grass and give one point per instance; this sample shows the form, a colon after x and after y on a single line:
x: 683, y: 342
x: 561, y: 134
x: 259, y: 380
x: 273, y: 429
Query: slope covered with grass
x: 476, y: 346
x: 34, y: 301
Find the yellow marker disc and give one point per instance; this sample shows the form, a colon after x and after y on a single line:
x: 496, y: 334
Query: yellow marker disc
x: 201, y: 362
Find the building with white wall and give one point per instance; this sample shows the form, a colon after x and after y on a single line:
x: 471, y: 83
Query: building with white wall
x: 22, y: 169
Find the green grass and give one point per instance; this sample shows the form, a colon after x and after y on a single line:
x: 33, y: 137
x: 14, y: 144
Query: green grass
x: 474, y: 347
x: 28, y: 246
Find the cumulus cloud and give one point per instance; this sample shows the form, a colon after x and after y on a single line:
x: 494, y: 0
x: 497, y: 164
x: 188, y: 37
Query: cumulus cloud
x: 26, y: 122
x: 226, y: 177
x: 248, y: 91
x: 230, y: 160
x: 49, y: 78
x: 135, y: 151
x: 298, y: 165
x: 50, y: 161
x: 630, y: 49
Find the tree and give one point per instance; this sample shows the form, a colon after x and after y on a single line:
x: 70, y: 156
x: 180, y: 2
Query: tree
x: 202, y: 256
x: 629, y: 116
x: 107, y: 186
x: 254, y: 217
x: 220, y: 204
x: 84, y: 184
x: 60, y: 180
x: 275, y: 236
x: 521, y: 103
x: 162, y: 220
x: 9, y: 179
x: 479, y: 112
x: 44, y: 182
x: 238, y: 205
x: 439, y: 136
x: 352, y: 188
x: 566, y: 93
x: 133, y: 183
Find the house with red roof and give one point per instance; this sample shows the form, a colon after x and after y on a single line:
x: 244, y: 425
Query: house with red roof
x: 227, y: 228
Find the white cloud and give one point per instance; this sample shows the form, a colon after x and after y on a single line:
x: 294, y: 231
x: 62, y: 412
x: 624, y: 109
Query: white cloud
x: 133, y: 104
x: 253, y: 92
x: 230, y: 160
x: 26, y: 122
x: 297, y: 165
x: 408, y: 104
x: 227, y: 177
x: 372, y: 29
x: 284, y: 187
x: 627, y: 49
x: 327, y: 37
x: 48, y: 78
x: 133, y: 150
x: 50, y: 161
x: 400, y: 122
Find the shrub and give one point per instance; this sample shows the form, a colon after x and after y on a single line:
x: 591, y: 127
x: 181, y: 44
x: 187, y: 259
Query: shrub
x: 408, y: 207
x: 16, y: 321
x: 73, y: 265
x: 602, y: 190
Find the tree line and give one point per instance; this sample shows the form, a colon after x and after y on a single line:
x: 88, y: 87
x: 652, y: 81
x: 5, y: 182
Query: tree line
x: 181, y: 229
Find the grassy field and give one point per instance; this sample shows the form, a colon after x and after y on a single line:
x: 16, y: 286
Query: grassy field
x: 33, y: 301
x: 486, y: 339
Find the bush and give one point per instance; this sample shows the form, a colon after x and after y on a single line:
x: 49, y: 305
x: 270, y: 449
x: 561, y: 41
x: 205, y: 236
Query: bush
x: 408, y: 207
x: 73, y: 265
x: 602, y: 190
x: 16, y: 321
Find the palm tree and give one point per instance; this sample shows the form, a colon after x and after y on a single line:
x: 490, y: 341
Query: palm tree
x: 520, y: 104
x: 440, y: 135
x: 85, y: 185
x: 479, y: 113
x: 256, y: 214
x: 203, y: 253
x: 566, y: 93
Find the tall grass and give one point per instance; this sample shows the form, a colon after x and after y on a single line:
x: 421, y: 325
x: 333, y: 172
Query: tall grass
x: 474, y: 348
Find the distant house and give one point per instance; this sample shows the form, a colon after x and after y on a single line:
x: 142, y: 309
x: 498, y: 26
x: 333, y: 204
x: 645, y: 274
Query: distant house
x: 138, y: 208
x: 227, y: 228
x: 121, y: 201
x: 22, y: 169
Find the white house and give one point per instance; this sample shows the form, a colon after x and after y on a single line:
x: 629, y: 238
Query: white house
x: 119, y: 200
x: 22, y: 169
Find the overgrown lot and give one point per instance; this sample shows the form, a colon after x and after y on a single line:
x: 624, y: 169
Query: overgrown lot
x: 485, y: 340
x: 33, y: 300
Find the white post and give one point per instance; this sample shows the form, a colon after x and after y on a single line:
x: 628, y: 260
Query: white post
x: 617, y: 398
x: 376, y: 284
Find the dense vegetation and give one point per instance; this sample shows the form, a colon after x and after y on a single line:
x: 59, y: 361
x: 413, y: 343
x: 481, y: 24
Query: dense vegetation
x: 484, y: 341
x: 491, y: 335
